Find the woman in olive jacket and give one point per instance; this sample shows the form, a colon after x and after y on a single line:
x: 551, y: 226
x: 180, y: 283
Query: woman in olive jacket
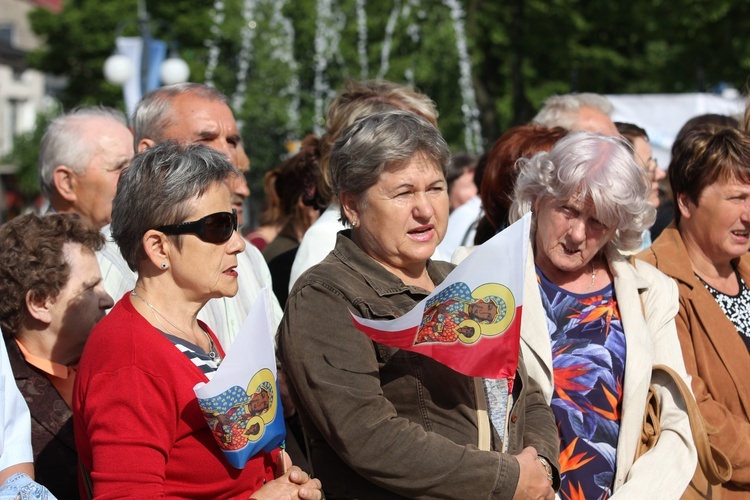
x: 381, y: 422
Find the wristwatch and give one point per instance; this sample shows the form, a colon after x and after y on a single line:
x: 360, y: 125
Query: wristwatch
x: 548, y: 468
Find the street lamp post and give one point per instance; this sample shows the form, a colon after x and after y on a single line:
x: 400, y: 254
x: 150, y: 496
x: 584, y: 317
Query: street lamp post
x: 118, y: 68
x: 145, y: 29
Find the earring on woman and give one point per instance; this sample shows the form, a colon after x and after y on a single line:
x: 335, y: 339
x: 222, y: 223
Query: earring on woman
x: 163, y: 265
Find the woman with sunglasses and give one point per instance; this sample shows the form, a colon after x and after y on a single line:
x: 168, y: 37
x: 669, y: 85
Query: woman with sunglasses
x: 139, y: 429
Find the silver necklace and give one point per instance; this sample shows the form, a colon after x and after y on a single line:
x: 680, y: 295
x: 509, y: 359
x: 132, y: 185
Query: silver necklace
x: 212, y: 351
x: 593, y: 277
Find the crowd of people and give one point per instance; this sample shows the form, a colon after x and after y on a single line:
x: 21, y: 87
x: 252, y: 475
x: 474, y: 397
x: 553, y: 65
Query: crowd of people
x: 134, y: 287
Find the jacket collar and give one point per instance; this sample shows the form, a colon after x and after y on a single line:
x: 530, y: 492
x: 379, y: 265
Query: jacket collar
x: 382, y: 281
x: 631, y: 292
x: 672, y: 258
x: 629, y: 285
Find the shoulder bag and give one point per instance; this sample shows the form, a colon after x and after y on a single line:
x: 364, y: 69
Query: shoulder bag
x: 713, y: 466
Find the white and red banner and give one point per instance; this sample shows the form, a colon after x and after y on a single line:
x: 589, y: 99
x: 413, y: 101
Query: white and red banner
x: 241, y: 403
x: 472, y: 321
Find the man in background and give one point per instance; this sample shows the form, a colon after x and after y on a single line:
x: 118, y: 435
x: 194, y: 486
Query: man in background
x: 577, y: 112
x: 80, y: 159
x: 193, y: 113
x: 197, y: 113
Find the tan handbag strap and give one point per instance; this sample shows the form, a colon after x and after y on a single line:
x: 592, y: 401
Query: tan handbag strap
x: 483, y: 419
x: 713, y: 462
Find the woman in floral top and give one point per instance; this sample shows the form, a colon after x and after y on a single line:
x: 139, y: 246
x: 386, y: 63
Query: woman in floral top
x: 594, y: 325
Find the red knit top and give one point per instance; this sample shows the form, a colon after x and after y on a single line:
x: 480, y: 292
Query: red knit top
x: 138, y: 427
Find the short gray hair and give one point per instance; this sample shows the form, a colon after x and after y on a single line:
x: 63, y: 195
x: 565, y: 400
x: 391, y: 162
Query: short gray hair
x: 385, y: 140
x: 557, y: 110
x: 153, y: 113
x: 360, y: 98
x: 63, y: 143
x: 156, y: 189
x: 590, y: 166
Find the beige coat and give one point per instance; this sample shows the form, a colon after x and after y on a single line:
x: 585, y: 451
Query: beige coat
x: 666, y: 470
x: 715, y: 356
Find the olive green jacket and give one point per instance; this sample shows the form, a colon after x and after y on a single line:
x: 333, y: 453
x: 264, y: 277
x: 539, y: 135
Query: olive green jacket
x: 385, y: 423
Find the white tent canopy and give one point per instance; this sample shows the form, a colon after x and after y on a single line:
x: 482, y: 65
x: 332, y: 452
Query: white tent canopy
x: 663, y: 115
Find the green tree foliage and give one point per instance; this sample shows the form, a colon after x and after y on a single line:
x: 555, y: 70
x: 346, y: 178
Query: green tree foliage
x: 80, y: 38
x: 522, y: 51
x: 562, y: 46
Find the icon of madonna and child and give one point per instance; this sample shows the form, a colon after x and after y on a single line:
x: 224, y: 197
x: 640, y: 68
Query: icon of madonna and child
x: 457, y: 313
x: 244, y: 420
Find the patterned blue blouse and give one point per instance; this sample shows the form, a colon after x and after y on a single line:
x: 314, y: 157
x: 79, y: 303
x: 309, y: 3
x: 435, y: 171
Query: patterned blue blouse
x: 588, y: 358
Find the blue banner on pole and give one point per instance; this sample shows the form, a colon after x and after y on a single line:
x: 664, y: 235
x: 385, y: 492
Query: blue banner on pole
x: 157, y: 52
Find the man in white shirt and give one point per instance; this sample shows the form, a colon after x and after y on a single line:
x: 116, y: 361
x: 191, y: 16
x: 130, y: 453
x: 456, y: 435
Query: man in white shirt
x: 191, y: 113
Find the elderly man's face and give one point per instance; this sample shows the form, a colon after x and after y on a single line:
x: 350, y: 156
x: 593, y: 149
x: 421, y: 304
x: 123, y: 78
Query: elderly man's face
x: 197, y: 120
x: 111, y: 149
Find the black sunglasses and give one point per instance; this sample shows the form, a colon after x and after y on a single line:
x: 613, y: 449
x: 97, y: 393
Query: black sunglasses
x: 214, y: 228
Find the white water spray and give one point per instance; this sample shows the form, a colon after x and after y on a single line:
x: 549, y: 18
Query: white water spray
x: 243, y: 59
x: 472, y: 127
x: 214, y: 51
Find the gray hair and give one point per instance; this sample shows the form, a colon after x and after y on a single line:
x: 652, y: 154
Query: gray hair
x: 64, y: 144
x: 153, y: 113
x: 385, y: 140
x: 557, y: 110
x: 156, y: 189
x: 590, y: 166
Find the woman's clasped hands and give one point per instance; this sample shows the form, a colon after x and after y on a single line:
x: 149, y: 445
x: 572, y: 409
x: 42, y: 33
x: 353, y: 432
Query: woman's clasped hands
x: 290, y: 483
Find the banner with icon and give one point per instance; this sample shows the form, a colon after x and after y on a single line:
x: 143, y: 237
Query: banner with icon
x: 472, y: 321
x: 241, y: 403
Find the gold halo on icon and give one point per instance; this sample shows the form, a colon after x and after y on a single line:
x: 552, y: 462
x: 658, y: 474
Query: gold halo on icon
x: 264, y: 379
x: 254, y: 436
x: 503, y: 293
x: 476, y: 328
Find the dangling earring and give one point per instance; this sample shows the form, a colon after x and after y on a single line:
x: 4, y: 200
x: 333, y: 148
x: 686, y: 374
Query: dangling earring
x: 163, y: 265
